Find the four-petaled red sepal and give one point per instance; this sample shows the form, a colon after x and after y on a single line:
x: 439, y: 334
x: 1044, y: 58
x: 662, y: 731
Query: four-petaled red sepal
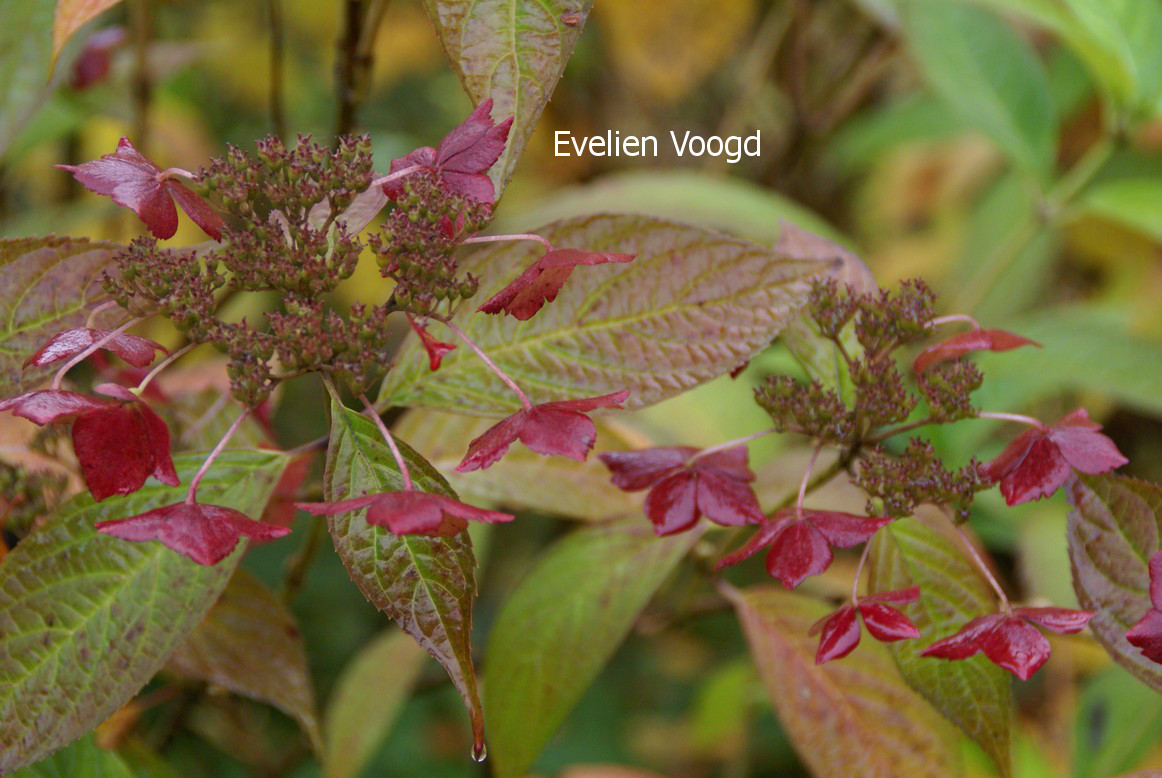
x: 968, y: 342
x: 133, y: 181
x: 204, y: 533
x: 1010, y: 641
x: 560, y: 428
x: 542, y: 280
x: 1040, y: 460
x: 410, y: 512
x: 436, y: 348
x: 462, y: 159
x: 716, y: 486
x: 138, y: 352
x: 840, y: 628
x: 1146, y: 635
x: 800, y: 544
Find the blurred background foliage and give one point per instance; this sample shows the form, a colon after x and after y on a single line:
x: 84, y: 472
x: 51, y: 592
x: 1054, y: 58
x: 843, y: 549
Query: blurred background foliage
x: 1005, y: 150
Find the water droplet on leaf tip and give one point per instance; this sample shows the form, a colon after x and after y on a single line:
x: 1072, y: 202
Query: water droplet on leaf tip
x: 479, y: 752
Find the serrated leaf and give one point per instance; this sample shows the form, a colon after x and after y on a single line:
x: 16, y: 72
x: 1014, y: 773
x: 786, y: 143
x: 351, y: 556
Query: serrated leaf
x: 426, y: 585
x: 560, y: 627
x: 973, y: 693
x: 71, y: 15
x: 249, y: 644
x: 1115, y: 526
x: 368, y: 697
x: 982, y: 68
x: 851, y: 716
x: 80, y: 759
x: 694, y: 305
x: 525, y: 480
x: 46, y: 285
x: 512, y: 51
x: 97, y: 616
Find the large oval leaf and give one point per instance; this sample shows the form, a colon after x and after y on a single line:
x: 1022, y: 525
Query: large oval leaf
x: 87, y: 619
x: 46, y: 285
x: 1114, y: 528
x: 512, y: 51
x: 560, y: 627
x: 853, y: 716
x: 426, y: 585
x: 694, y: 305
x: 973, y: 693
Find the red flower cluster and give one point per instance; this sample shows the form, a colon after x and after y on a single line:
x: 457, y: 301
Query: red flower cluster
x: 839, y: 630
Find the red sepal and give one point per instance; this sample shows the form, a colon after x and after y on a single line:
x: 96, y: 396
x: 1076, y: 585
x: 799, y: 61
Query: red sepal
x: 542, y: 280
x: 968, y: 342
x: 1146, y: 635
x: 436, y: 349
x: 46, y: 406
x: 204, y: 533
x: 138, y: 352
x: 410, y: 512
x: 840, y: 635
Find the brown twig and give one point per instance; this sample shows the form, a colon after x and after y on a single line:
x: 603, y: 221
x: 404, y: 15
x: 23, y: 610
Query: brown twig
x: 361, y: 22
x: 277, y: 55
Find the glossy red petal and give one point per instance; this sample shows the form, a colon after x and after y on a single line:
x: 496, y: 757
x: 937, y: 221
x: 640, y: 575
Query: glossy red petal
x: 197, y: 209
x: 1008, y: 459
x: 487, y: 449
x: 845, y: 529
x: 204, y: 533
x: 839, y: 637
x: 897, y: 596
x: 157, y: 437
x: 632, y: 471
x: 968, y: 342
x: 727, y: 501
x: 138, y: 352
x: 586, y: 404
x: 542, y: 280
x: 763, y: 537
x: 885, y: 623
x: 1017, y: 646
x: 797, y: 553
x: 1146, y: 635
x: 45, y: 406
x: 672, y: 504
x: 420, y: 513
x: 730, y: 462
x: 556, y: 432
x: 1062, y: 620
x: 114, y: 449
x: 476, y: 144
x: 967, y: 641
x: 339, y: 506
x: 1156, y: 579
x: 1041, y: 473
x: 1087, y: 450
x: 436, y: 349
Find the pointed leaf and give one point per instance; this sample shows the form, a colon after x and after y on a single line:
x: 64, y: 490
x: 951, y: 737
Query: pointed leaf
x: 71, y: 15
x: 1114, y: 528
x: 512, y: 51
x: 973, y: 693
x: 98, y: 616
x: 560, y: 627
x: 249, y: 644
x: 33, y: 271
x: 692, y: 306
x: 81, y: 759
x: 852, y: 716
x: 425, y: 584
x: 368, y: 697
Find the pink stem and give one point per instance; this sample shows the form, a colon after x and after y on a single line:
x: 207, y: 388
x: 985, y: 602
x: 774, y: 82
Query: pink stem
x: 730, y: 444
x: 60, y: 376
x: 174, y: 357
x: 391, y: 444
x: 192, y: 495
x: 859, y: 571
x: 175, y: 172
x: 518, y: 236
x: 524, y: 399
x: 955, y: 317
x: 1011, y: 417
x: 984, y: 568
x: 806, y: 478
x: 407, y: 171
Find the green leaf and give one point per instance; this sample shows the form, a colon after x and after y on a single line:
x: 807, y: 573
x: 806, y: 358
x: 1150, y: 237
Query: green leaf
x: 25, y: 54
x: 851, y: 716
x: 426, y: 585
x: 1135, y: 202
x: 1114, y: 528
x: 1119, y: 721
x: 80, y: 759
x: 561, y: 626
x: 694, y: 305
x: 46, y: 285
x: 982, y: 68
x: 87, y: 619
x: 512, y: 51
x: 196, y: 422
x: 249, y: 644
x: 368, y: 697
x: 973, y: 693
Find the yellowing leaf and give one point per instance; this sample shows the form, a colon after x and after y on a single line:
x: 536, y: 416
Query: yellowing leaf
x: 72, y: 15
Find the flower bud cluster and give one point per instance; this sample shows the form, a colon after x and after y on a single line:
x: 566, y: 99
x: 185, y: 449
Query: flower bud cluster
x: 811, y: 409
x: 918, y: 476
x: 947, y: 388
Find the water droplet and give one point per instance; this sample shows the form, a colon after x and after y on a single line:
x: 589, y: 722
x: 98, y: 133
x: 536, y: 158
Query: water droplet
x: 479, y: 752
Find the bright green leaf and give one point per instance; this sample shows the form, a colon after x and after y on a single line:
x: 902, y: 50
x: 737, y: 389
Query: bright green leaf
x: 98, y: 616
x: 1135, y: 202
x: 1119, y: 720
x: 81, y: 759
x: 560, y: 627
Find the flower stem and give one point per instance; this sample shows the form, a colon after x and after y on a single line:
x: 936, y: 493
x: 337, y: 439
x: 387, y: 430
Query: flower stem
x: 390, y: 439
x: 955, y: 317
x: 730, y: 444
x: 60, y: 375
x: 525, y: 402
x: 1011, y: 417
x: 99, y: 309
x: 192, y: 495
x: 407, y: 171
x: 859, y: 570
x: 516, y: 236
x: 891, y: 432
x: 806, y: 480
x: 174, y: 357
x: 984, y: 568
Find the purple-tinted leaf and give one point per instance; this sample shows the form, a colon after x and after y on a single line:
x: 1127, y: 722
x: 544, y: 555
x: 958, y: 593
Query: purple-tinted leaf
x: 542, y: 280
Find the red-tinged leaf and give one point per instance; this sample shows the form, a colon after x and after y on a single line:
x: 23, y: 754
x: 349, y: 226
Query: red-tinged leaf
x: 138, y: 352
x: 411, y: 512
x: 968, y: 342
x: 543, y: 654
x: 797, y: 553
x: 436, y: 348
x: 692, y: 306
x: 974, y: 694
x: 1115, y: 528
x: 856, y: 716
x: 636, y: 470
x: 98, y: 616
x: 542, y: 280
x: 47, y: 406
x: 839, y: 635
x: 32, y: 308
x: 885, y: 623
x: 205, y: 533
x: 72, y: 15
x: 1062, y: 620
x: 425, y: 584
x: 250, y: 644
x: 121, y: 445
